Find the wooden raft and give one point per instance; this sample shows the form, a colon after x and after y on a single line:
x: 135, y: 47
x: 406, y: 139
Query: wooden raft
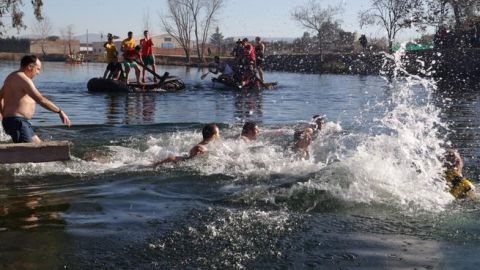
x: 33, y: 152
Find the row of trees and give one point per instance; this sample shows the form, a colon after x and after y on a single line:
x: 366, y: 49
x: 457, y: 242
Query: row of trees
x: 391, y: 15
x: 192, y: 20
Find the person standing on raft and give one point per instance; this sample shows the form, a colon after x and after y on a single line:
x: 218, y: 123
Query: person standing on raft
x: 148, y: 58
x: 129, y: 55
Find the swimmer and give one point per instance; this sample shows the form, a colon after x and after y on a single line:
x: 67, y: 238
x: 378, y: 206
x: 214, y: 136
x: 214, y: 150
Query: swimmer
x: 317, y: 122
x: 250, y: 132
x: 460, y: 187
x: 302, y: 139
x: 210, y: 133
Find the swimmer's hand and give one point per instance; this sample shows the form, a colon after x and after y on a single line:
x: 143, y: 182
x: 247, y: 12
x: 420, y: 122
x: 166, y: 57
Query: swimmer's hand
x: 64, y: 118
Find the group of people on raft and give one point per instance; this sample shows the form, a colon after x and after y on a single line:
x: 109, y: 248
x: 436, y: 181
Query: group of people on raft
x: 133, y: 55
x: 246, y: 70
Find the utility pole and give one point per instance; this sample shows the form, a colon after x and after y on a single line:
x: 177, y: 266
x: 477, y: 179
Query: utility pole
x: 88, y: 47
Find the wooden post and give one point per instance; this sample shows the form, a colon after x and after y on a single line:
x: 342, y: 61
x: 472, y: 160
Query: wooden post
x: 33, y: 152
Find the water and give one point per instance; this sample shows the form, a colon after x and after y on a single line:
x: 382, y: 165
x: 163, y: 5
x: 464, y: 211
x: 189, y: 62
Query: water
x: 371, y: 196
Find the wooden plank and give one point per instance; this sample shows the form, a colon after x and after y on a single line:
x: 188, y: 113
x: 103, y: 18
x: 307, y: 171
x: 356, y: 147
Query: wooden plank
x: 31, y: 152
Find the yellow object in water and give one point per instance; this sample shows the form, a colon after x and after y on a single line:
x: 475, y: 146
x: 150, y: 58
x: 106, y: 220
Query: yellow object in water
x: 460, y: 187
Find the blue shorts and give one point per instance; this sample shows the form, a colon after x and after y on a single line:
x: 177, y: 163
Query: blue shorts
x: 19, y: 128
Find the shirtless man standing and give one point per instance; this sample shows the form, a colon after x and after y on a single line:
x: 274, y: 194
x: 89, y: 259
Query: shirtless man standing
x: 209, y: 133
x: 18, y: 97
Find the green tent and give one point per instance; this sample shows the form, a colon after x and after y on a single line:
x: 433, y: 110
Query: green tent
x: 412, y: 47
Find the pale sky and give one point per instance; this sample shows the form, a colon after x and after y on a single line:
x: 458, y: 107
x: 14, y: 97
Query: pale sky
x: 267, y: 18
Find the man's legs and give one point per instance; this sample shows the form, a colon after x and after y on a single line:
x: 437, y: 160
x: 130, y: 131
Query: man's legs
x: 127, y: 70
x: 137, y: 73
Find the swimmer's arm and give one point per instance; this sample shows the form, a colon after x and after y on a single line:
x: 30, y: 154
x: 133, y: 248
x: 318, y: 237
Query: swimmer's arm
x: 170, y: 159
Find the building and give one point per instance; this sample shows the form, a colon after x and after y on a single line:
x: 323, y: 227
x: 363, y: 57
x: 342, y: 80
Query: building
x: 99, y: 52
x: 58, y: 47
x: 165, y: 41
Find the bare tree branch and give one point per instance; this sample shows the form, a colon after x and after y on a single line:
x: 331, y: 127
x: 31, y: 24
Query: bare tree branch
x: 12, y: 9
x: 179, y: 24
x: 43, y: 29
x: 392, y: 15
x: 313, y: 16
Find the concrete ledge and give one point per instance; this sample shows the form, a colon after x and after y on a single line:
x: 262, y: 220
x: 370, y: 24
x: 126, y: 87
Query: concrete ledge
x: 30, y: 152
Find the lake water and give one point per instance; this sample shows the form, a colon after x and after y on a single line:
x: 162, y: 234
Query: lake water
x: 371, y: 196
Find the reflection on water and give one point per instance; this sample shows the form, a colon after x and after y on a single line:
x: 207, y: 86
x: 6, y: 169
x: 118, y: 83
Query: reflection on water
x: 248, y: 106
x: 31, y: 207
x: 130, y: 108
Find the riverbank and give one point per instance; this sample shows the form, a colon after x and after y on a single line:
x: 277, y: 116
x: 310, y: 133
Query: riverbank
x: 446, y: 63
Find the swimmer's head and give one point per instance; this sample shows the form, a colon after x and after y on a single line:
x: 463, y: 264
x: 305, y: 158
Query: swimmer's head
x: 210, y: 131
x: 250, y: 130
x: 317, y: 122
x: 452, y: 160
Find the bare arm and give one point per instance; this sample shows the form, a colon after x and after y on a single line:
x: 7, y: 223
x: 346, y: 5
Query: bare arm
x: 33, y: 92
x: 1, y: 102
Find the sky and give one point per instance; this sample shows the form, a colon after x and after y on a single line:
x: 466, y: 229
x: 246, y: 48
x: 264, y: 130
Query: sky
x: 266, y: 18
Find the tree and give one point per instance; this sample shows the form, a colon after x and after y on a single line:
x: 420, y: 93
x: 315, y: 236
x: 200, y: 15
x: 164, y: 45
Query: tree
x: 67, y: 35
x: 217, y: 39
x: 12, y: 9
x: 313, y: 16
x: 179, y: 24
x: 393, y: 15
x: 453, y: 12
x: 146, y: 21
x: 212, y: 7
x: 303, y: 44
x: 43, y: 29
x: 205, y: 9
x: 186, y: 16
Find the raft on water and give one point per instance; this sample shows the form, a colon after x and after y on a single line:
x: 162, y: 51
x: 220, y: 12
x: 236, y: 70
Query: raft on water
x: 34, y: 152
x: 257, y: 86
x: 165, y: 84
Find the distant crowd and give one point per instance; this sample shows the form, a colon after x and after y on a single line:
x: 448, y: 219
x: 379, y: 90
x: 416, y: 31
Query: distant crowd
x: 246, y: 70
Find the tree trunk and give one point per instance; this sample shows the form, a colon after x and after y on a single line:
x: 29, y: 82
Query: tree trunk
x: 187, y: 55
x: 43, y: 49
x: 456, y: 12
